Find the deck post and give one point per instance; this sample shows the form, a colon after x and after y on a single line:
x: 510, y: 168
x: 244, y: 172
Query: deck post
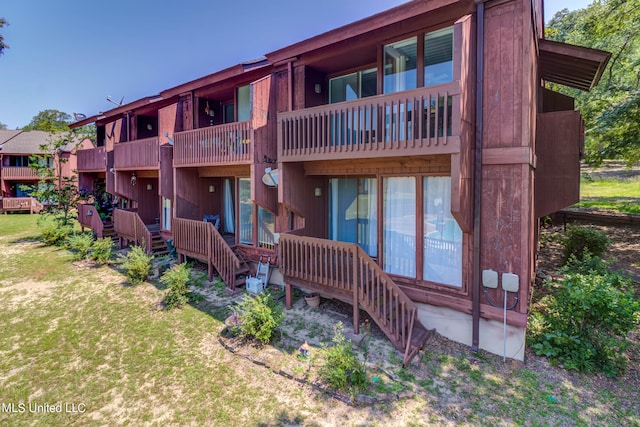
x: 354, y: 285
x: 210, y: 270
x: 288, y: 300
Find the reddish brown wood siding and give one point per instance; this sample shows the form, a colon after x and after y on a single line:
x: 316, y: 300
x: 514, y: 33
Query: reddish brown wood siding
x: 558, y: 142
x: 92, y: 160
x: 264, y: 140
x: 136, y: 155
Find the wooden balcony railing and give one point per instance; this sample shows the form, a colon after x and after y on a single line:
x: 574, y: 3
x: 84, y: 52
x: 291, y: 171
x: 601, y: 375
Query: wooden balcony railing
x: 223, y: 144
x: 339, y: 267
x: 20, y: 204
x: 137, y: 155
x: 19, y: 172
x: 201, y: 240
x: 419, y: 121
x: 128, y: 225
x: 92, y: 160
x: 88, y: 217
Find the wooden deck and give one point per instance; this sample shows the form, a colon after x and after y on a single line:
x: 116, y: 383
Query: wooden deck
x: 223, y: 144
x: 129, y: 226
x: 345, y: 271
x: 420, y: 121
x: 20, y: 204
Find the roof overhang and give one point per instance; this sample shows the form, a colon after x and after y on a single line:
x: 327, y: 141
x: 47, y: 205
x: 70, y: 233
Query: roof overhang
x: 570, y: 65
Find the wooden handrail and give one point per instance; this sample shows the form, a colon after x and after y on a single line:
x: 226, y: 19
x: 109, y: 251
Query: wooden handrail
x: 221, y: 144
x: 407, y: 122
x: 222, y: 257
x: 347, y: 267
x: 201, y: 240
x: 91, y: 220
x: 129, y: 225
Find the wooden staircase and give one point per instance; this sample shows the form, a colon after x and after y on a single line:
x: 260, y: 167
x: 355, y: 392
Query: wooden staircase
x: 345, y: 271
x: 158, y: 244
x: 108, y: 232
x: 241, y: 273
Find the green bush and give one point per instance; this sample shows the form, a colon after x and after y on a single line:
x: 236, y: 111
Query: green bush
x: 342, y: 368
x: 585, y: 320
x: 54, y: 234
x: 176, y: 279
x: 259, y: 315
x: 136, y: 265
x: 102, y: 251
x: 578, y: 239
x: 80, y: 244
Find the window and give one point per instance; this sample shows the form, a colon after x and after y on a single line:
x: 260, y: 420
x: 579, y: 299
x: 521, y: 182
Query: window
x: 399, y: 199
x: 438, y: 57
x: 353, y: 212
x: 245, y: 226
x: 19, y: 161
x: 244, y: 103
x: 442, y: 234
x: 400, y: 60
x: 166, y: 214
x: 353, y: 86
x: 229, y: 217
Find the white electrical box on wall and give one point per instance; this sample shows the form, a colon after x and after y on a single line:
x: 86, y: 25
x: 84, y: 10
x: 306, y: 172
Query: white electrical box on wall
x: 510, y: 282
x: 490, y: 279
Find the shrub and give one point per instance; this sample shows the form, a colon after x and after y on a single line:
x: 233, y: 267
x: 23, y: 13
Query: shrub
x: 259, y: 315
x: 341, y: 368
x: 176, y: 279
x: 54, y: 234
x: 80, y: 245
x: 585, y: 321
x: 102, y: 251
x: 136, y: 265
x: 578, y: 239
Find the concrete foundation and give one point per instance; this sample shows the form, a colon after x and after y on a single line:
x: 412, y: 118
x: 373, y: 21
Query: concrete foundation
x: 456, y: 326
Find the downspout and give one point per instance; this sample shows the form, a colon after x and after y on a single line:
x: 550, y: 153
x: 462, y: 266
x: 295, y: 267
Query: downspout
x: 477, y: 177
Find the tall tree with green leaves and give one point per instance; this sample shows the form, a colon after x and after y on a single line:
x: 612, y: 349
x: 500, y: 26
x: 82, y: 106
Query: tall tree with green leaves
x: 3, y: 126
x: 58, y: 192
x: 611, y: 109
x: 3, y: 45
x: 53, y: 121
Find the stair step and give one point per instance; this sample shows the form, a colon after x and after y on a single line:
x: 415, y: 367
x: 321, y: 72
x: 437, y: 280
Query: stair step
x: 240, y: 281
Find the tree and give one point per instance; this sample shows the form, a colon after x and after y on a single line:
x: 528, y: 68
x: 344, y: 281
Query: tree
x: 3, y: 126
x: 3, y: 45
x: 612, y: 109
x: 58, y: 192
x: 53, y: 121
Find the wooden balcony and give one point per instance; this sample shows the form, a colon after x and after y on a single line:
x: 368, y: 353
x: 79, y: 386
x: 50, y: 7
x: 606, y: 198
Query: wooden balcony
x: 416, y: 122
x: 92, y: 160
x: 141, y: 154
x: 217, y: 145
x: 19, y: 172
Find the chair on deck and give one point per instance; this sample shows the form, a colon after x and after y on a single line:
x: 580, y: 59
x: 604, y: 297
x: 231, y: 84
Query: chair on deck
x: 213, y: 219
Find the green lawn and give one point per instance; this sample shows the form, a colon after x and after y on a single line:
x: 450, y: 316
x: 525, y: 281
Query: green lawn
x: 620, y: 195
x: 79, y: 336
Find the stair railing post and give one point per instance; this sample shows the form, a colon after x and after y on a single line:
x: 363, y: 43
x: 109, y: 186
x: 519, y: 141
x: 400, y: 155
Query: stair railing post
x: 355, y: 285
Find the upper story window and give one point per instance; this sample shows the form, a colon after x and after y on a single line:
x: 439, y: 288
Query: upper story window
x: 401, y: 71
x: 20, y: 161
x: 244, y: 103
x: 438, y: 57
x: 400, y: 59
x: 350, y: 87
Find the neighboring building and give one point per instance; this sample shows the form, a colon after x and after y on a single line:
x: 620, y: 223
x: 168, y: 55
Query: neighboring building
x: 16, y: 149
x: 400, y: 163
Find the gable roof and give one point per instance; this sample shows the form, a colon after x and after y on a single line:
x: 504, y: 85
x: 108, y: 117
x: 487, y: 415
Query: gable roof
x: 23, y: 143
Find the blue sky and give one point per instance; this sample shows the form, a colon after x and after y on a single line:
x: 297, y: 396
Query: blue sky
x: 70, y: 55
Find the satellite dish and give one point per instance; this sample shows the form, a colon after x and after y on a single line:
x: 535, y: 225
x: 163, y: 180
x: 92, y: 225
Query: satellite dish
x: 270, y: 178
